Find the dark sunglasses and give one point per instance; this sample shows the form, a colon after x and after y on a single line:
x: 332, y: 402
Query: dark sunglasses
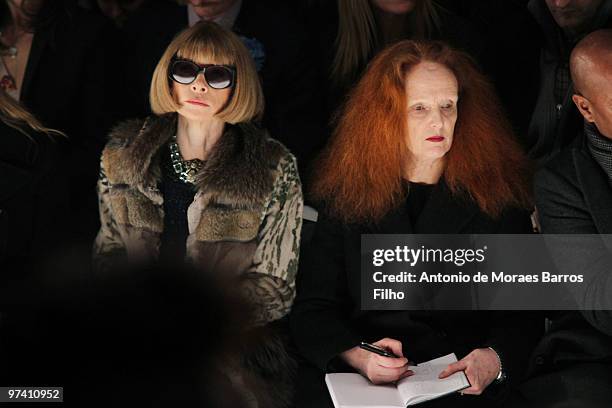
x: 216, y: 76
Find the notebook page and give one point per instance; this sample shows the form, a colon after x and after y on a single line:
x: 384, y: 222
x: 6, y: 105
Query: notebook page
x: 355, y: 391
x: 444, y: 360
x: 425, y: 384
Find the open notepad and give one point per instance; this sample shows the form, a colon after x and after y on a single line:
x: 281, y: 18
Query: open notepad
x: 355, y: 391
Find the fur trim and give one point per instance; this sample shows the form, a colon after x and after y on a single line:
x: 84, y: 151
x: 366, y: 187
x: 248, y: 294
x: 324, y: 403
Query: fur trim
x: 239, y: 172
x: 269, y: 368
x: 221, y: 224
x: 133, y: 147
x: 241, y: 166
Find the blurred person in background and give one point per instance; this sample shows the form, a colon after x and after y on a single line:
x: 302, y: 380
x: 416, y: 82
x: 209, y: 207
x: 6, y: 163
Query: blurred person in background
x: 555, y: 122
x: 510, y: 55
x: 364, y: 27
x: 155, y: 336
x: 33, y: 202
x: 56, y: 61
x: 116, y: 10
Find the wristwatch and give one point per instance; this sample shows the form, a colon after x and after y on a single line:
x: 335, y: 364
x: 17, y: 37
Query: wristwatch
x: 501, y: 376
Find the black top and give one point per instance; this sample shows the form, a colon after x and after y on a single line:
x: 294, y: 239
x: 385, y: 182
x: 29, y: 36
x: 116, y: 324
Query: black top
x: 329, y: 292
x: 418, y: 195
x: 178, y: 195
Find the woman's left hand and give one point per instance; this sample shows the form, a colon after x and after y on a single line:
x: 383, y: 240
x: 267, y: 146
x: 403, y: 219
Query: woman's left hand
x: 481, y: 367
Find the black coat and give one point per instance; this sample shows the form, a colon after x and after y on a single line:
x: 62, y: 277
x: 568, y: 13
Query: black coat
x: 68, y: 84
x: 32, y: 197
x: 326, y: 317
x: 67, y: 78
x: 510, y: 54
x: 553, y: 128
x: 293, y: 111
x: 574, y: 196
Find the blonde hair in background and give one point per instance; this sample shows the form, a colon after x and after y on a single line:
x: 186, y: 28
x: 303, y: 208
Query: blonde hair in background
x: 16, y: 116
x: 357, y: 37
x: 210, y: 43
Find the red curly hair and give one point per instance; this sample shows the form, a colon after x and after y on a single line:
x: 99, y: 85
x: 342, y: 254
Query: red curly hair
x: 359, y: 177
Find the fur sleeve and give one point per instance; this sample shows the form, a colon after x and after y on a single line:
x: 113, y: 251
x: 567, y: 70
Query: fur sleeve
x: 270, y: 282
x: 108, y: 245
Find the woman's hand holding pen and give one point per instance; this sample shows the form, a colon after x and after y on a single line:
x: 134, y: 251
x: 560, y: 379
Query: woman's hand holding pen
x: 379, y: 369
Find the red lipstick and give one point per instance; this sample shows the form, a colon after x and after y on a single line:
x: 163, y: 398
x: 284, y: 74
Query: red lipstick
x: 435, y: 138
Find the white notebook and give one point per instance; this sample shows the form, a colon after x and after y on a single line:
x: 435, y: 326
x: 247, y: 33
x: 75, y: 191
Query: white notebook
x: 351, y: 390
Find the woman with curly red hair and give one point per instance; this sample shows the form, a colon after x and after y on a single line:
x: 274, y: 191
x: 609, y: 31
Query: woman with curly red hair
x: 423, y: 147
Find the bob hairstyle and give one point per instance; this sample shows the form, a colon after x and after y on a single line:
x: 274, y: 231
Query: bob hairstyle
x: 358, y: 35
x: 207, y: 42
x: 360, y: 172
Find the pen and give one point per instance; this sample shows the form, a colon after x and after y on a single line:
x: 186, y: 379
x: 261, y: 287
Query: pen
x: 376, y: 350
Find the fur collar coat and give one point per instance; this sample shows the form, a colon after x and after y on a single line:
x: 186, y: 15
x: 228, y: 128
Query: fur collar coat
x: 244, y: 225
x: 244, y: 221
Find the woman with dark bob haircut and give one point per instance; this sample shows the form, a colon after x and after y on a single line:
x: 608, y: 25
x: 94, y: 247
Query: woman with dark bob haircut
x: 421, y: 147
x: 200, y: 181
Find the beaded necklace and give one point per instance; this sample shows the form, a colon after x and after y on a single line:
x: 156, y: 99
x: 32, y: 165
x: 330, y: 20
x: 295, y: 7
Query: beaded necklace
x: 186, y: 170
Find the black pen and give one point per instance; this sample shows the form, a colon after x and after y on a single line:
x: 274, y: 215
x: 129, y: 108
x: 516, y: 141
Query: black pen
x: 376, y: 350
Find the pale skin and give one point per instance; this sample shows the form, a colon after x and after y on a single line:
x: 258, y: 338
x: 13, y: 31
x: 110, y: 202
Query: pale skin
x: 379, y: 369
x: 431, y: 103
x: 198, y: 128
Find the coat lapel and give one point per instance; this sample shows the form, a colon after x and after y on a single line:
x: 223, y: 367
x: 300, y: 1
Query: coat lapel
x: 135, y: 162
x: 596, y: 189
x: 240, y: 169
x: 39, y: 43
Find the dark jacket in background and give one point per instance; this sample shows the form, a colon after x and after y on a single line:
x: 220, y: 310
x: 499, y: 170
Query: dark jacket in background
x: 555, y: 126
x: 574, y: 359
x: 574, y: 196
x: 327, y: 318
x: 68, y: 84
x: 32, y: 199
x: 292, y: 112
x: 510, y: 53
